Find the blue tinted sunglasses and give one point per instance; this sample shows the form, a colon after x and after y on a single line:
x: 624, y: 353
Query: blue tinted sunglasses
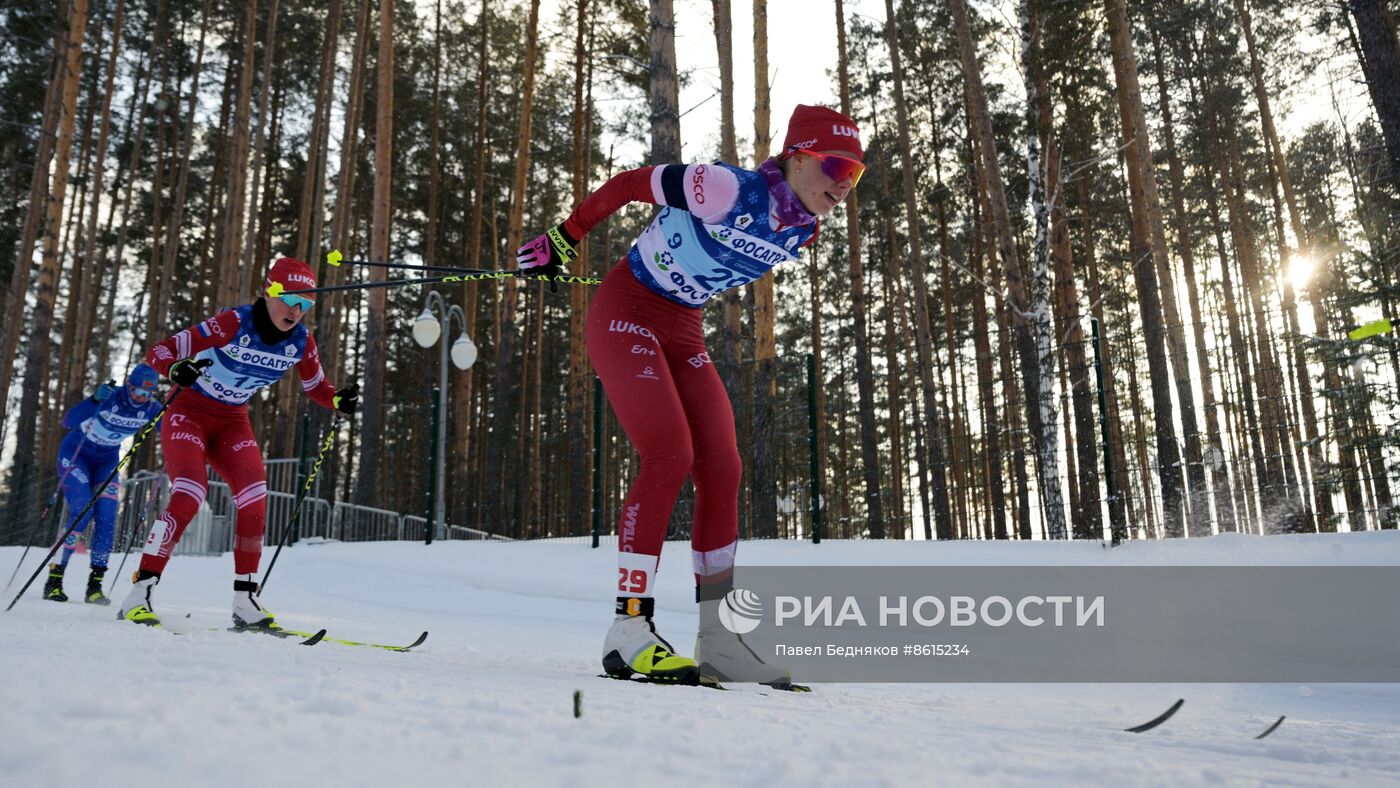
x: 141, y: 393
x: 297, y: 302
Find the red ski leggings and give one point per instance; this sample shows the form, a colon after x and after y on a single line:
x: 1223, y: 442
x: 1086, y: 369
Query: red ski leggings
x: 650, y: 355
x: 197, y: 430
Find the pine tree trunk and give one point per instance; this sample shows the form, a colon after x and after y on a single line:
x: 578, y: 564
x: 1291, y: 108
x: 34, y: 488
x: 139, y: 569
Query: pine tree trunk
x: 894, y: 382
x: 1375, y: 31
x: 68, y: 363
x: 368, y: 489
x: 1151, y: 273
x: 215, y: 210
x: 1219, y: 485
x: 728, y: 352
x: 122, y: 195
x: 764, y: 489
x: 87, y: 311
x: 1280, y: 174
x: 313, y: 187
x: 173, y: 232
x: 865, y: 372
x: 992, y: 462
x: 37, y: 354
x: 156, y: 286
x: 580, y: 403
x: 1117, y: 511
x: 18, y: 295
x: 916, y: 266
x: 1238, y: 346
x: 504, y: 401
x: 465, y: 382
x: 229, y: 263
x: 1277, y: 484
x: 663, y: 91
x: 251, y: 271
x: 1004, y: 241
x: 1087, y: 520
x: 342, y: 224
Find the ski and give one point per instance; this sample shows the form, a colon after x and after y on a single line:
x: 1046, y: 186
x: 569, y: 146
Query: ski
x: 308, y: 638
x: 1158, y: 720
x: 1271, y: 728
x: 707, y: 683
x: 385, y: 646
x: 783, y: 687
x: 303, y: 638
x: 640, y: 679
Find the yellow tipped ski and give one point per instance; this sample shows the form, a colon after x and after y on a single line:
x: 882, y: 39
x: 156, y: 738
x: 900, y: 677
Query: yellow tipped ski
x: 333, y: 257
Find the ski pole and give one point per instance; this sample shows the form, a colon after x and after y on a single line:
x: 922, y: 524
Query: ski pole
x: 276, y: 289
x: 140, y: 438
x: 301, y: 499
x: 335, y: 259
x: 43, y: 518
x: 136, y: 527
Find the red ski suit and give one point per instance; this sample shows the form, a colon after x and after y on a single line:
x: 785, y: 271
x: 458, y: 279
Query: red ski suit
x: 209, y: 423
x: 645, y: 340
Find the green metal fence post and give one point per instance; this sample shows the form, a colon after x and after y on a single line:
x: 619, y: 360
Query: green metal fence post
x: 1103, y: 432
x: 432, y: 469
x: 597, y: 459
x: 814, y: 449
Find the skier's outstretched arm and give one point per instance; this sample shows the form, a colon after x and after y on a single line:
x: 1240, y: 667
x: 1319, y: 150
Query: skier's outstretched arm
x: 217, y: 331
x: 81, y: 412
x: 318, y: 388
x: 706, y: 190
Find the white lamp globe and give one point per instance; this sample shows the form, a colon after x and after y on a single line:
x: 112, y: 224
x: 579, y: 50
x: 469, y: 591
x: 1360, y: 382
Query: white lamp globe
x: 426, y: 329
x: 463, y: 352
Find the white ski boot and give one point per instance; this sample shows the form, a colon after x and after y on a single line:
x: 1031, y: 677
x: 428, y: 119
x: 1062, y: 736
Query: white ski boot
x: 137, y: 607
x: 723, y: 655
x: 247, y: 611
x: 633, y: 646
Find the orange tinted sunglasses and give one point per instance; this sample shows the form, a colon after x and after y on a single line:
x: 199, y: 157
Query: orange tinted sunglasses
x: 837, y: 168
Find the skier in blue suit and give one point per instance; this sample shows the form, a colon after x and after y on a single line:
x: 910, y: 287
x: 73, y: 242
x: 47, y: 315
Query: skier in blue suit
x: 97, y: 426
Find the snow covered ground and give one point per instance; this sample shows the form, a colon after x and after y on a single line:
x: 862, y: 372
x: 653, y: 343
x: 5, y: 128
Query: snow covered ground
x: 517, y: 628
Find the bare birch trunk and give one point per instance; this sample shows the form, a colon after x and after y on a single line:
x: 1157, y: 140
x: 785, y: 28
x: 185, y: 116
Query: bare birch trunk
x: 1048, y: 437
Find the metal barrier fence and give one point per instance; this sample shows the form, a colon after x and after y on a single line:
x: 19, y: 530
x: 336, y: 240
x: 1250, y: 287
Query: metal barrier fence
x: 145, y: 495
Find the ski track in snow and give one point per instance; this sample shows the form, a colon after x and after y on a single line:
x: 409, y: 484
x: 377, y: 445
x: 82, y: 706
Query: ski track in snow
x: 516, y: 628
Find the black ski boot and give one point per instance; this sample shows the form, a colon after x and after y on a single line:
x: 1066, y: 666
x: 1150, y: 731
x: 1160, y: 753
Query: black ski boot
x: 94, y: 595
x: 53, y: 587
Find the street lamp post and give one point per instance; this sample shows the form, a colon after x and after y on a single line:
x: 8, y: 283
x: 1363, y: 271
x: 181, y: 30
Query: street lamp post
x: 434, y: 321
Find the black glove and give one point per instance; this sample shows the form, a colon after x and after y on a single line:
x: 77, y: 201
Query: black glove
x: 347, y: 400
x: 187, y: 370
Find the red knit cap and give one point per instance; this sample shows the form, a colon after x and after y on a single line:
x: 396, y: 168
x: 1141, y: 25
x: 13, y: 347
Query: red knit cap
x: 293, y: 274
x: 822, y: 128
